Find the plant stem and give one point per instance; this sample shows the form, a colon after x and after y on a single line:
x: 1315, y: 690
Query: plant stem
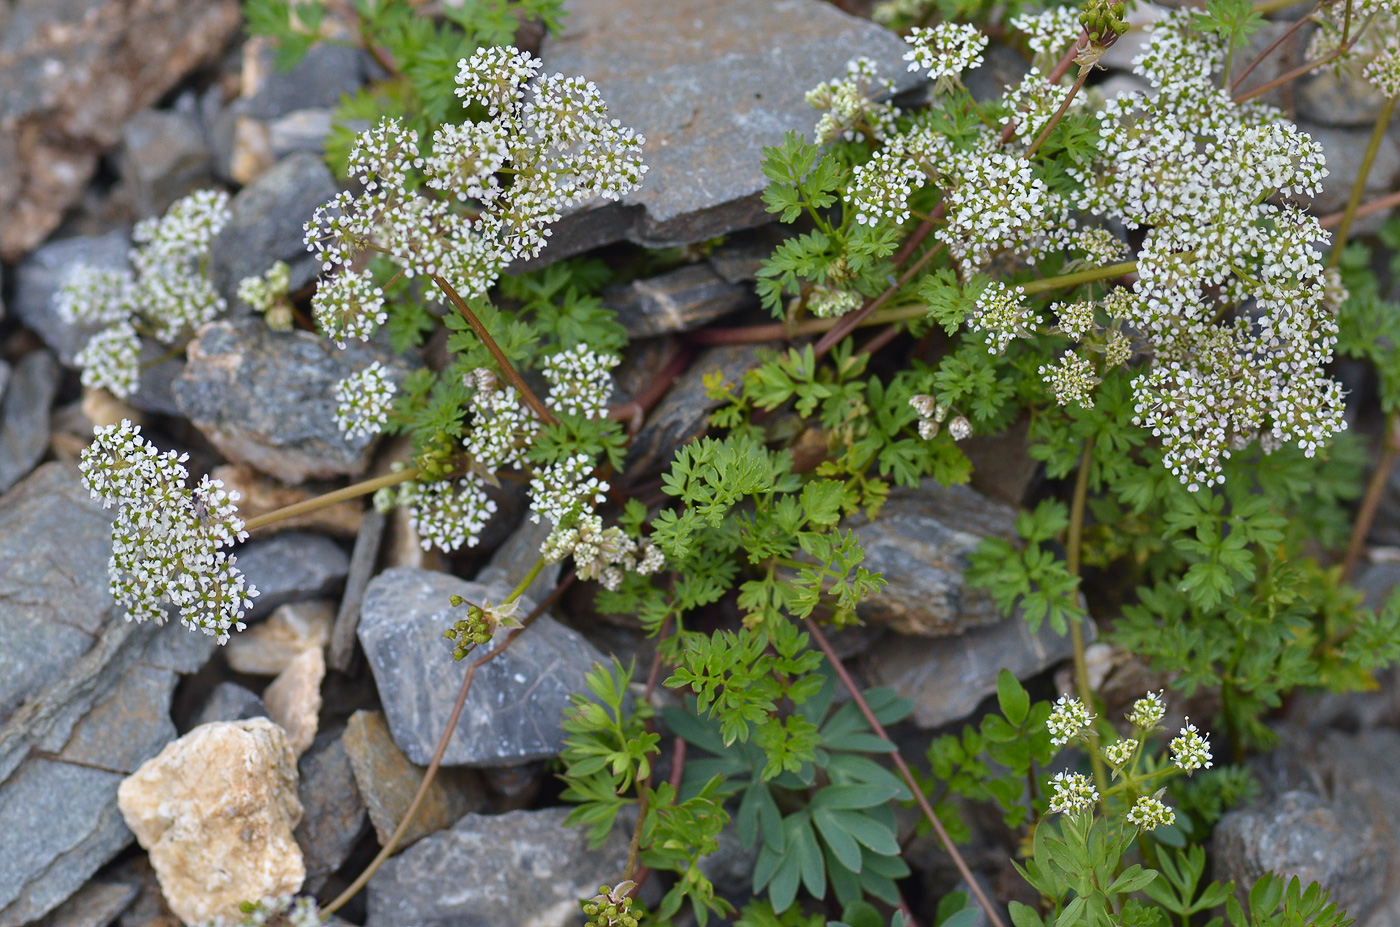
x: 850, y: 322
x: 507, y: 368
x: 353, y: 491
x: 1259, y: 59
x: 1073, y: 561
x: 1306, y: 67
x: 363, y: 878
x: 1378, y: 204
x: 904, y: 771
x: 1375, y: 489
x: 777, y: 331
x: 1059, y: 113
x: 1339, y: 243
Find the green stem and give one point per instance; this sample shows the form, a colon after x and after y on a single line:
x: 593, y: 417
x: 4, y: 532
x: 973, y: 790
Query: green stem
x: 1074, y: 545
x: 1059, y: 113
x: 353, y: 491
x: 1359, y: 187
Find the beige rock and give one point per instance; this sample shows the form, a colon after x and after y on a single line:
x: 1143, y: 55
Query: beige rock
x: 215, y: 810
x: 260, y: 495
x: 294, y: 698
x: 267, y: 648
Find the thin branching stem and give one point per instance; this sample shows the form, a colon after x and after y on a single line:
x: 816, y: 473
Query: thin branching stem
x: 1074, y: 547
x: 384, y: 853
x: 1059, y: 113
x: 1339, y: 242
x: 353, y: 491
x: 903, y: 767
x: 507, y: 368
x: 1259, y: 59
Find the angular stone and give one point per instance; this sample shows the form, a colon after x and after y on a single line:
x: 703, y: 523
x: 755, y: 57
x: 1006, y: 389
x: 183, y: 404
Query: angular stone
x: 294, y: 698
x: 96, y: 904
x: 676, y: 301
x: 231, y: 702
x: 1344, y: 149
x: 163, y: 156
x: 266, y: 648
x: 524, y: 867
x: 739, y: 257
x: 388, y: 781
x: 516, y: 702
x: 947, y: 677
x: 302, y: 130
x: 709, y: 83
x: 265, y: 398
x: 215, y: 810
x: 293, y: 566
x: 266, y: 226
x: 920, y: 543
x: 1300, y: 834
x: 334, y: 812
x: 24, y: 416
x: 684, y: 413
x: 1329, y: 100
x: 71, y: 73
x: 40, y: 274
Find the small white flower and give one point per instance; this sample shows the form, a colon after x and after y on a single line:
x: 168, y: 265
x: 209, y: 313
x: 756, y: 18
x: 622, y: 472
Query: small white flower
x: 1069, y: 720
x: 1147, y: 712
x: 1150, y: 813
x: 1120, y: 752
x: 1190, y: 751
x: 363, y: 401
x: 1073, y: 792
x: 1072, y: 380
x: 1001, y: 316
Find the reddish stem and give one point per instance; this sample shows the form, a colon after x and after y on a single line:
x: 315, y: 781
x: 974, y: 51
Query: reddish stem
x: 904, y: 771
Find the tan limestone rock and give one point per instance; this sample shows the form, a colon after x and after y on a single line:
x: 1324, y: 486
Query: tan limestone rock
x: 293, y: 699
x: 267, y: 648
x: 215, y: 810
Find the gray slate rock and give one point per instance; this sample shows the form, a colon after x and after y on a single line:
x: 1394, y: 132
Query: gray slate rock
x: 1344, y: 149
x: 24, y: 416
x: 1300, y: 834
x: 96, y: 904
x: 1330, y: 812
x: 292, y: 566
x: 84, y: 695
x: 266, y: 226
x: 921, y: 543
x: 41, y: 273
x: 1325, y: 99
x: 333, y: 814
x: 676, y: 301
x: 266, y: 399
x: 524, y: 867
x: 739, y: 257
x: 709, y: 83
x: 513, y: 712
x: 231, y: 702
x: 163, y: 156
x: 948, y: 677
x: 683, y: 414
x: 318, y: 80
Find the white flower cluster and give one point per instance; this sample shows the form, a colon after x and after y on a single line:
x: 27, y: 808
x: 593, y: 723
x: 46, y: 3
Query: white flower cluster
x: 1050, y: 32
x: 1069, y: 720
x: 1230, y: 290
x: 1190, y: 750
x: 579, y: 381
x: 945, y: 51
x: 448, y: 514
x: 848, y: 105
x: 1073, y: 792
x: 826, y: 302
x: 166, y: 295
x: 564, y: 490
x: 168, y: 541
x: 1149, y: 813
x: 994, y: 202
x: 604, y: 554
x: 1000, y: 315
x: 551, y: 135
x: 363, y: 401
x: 1120, y: 752
x: 1072, y: 380
x: 1148, y: 711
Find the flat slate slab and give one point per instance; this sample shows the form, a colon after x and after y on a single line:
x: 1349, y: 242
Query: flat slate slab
x: 710, y: 83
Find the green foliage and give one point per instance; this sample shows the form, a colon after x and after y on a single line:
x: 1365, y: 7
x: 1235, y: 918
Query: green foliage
x: 1030, y: 575
x: 824, y: 822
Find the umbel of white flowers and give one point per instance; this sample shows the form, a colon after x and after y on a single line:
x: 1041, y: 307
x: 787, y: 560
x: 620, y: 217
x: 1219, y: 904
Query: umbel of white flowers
x: 1229, y: 305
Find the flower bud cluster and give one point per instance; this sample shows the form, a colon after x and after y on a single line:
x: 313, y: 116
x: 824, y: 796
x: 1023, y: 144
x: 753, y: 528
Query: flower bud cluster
x: 849, y: 106
x: 168, y: 541
x: 270, y: 294
x: 167, y: 294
